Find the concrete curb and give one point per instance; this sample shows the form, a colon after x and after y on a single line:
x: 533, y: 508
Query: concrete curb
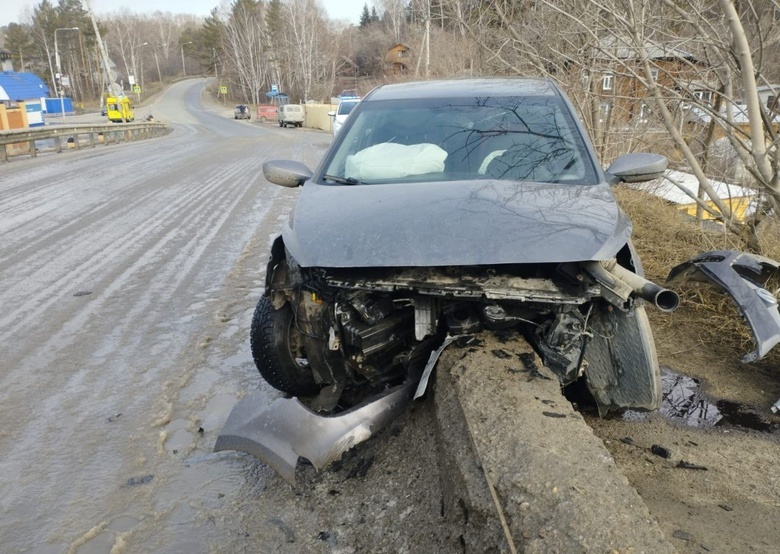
x: 556, y: 486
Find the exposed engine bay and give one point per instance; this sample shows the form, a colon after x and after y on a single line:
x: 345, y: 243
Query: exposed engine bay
x: 357, y: 331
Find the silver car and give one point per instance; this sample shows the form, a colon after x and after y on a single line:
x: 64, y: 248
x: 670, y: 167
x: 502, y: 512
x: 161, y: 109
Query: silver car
x: 341, y: 113
x: 444, y: 208
x: 440, y: 210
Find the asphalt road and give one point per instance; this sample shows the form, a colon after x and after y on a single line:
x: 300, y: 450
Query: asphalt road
x: 128, y: 276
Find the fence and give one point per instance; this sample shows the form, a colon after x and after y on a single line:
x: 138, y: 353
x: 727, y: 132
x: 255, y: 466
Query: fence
x: 317, y: 116
x: 19, y: 142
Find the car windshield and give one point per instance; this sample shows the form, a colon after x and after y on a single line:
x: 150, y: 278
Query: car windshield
x: 346, y: 107
x: 507, y: 138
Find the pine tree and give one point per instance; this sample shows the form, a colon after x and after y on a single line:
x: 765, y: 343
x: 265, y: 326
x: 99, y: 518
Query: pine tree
x: 365, y: 17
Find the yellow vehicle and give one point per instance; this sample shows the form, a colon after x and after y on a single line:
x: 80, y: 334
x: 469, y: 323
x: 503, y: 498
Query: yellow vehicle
x: 118, y: 109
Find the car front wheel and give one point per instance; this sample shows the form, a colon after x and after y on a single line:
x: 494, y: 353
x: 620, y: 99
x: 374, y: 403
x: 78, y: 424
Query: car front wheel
x: 277, y: 349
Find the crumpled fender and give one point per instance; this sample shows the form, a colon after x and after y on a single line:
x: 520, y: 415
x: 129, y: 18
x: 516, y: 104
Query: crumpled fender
x: 280, y: 431
x: 742, y: 276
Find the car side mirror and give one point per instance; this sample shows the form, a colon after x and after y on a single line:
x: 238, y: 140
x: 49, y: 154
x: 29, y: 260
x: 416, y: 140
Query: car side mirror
x: 636, y: 168
x: 286, y: 173
x: 332, y: 113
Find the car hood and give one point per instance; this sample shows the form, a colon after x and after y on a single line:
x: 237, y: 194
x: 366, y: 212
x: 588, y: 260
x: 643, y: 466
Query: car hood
x: 478, y: 222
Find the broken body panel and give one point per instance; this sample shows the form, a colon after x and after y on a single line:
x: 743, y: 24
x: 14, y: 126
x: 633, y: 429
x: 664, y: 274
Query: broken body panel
x: 743, y: 276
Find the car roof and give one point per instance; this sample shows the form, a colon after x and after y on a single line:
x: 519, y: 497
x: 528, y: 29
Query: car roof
x: 457, y: 88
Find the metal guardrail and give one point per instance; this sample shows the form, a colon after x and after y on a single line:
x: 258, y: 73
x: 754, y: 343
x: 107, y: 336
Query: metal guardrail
x: 22, y: 142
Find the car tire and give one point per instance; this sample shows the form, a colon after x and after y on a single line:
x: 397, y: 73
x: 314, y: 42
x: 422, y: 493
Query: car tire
x: 275, y: 344
x: 263, y: 119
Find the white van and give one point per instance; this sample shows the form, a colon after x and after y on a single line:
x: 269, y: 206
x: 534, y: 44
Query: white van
x: 290, y: 114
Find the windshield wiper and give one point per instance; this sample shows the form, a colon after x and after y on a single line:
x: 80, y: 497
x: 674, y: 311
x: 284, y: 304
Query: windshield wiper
x: 343, y: 180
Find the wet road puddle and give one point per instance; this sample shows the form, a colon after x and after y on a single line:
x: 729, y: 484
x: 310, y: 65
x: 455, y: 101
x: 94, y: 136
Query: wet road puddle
x: 684, y: 403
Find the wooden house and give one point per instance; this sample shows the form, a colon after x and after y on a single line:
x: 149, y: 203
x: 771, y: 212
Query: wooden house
x: 398, y: 59
x: 623, y: 95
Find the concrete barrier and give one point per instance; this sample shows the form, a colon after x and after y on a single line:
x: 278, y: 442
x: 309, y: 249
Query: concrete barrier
x: 523, y: 467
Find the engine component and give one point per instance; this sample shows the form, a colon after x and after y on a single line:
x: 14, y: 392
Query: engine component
x: 561, y: 343
x: 426, y: 310
x: 371, y: 308
x: 461, y: 320
x: 371, y: 339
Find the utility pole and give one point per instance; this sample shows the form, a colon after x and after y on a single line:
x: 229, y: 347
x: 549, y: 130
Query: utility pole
x: 157, y: 61
x: 183, y: 68
x: 216, y: 77
x: 141, y: 76
x: 59, y: 69
x: 99, y: 40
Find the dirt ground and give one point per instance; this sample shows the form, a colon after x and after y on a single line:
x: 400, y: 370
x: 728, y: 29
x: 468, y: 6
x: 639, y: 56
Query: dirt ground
x: 728, y: 498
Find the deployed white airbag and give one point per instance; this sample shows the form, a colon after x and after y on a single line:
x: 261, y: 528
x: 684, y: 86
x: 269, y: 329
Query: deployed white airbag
x: 390, y: 161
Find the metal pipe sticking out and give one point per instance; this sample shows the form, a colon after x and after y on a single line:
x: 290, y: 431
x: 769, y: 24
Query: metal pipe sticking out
x: 624, y: 283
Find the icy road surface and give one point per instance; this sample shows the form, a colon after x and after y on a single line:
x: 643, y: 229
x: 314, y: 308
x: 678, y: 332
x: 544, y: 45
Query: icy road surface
x: 128, y: 276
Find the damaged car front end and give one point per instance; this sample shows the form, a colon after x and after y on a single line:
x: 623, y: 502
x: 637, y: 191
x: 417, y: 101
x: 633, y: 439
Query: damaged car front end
x: 440, y: 210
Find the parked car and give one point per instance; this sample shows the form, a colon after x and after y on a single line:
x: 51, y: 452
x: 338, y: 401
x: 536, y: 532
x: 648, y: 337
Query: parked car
x: 472, y: 204
x: 341, y: 113
x: 267, y: 112
x: 242, y: 112
x: 290, y: 114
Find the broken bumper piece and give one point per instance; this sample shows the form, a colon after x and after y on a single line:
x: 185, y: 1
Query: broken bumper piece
x: 280, y: 432
x: 741, y: 275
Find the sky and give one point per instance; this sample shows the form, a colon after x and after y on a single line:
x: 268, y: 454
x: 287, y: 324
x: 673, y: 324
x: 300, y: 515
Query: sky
x: 18, y: 10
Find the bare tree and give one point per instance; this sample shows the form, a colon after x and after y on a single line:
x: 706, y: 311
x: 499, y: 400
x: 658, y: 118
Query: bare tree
x: 394, y: 17
x: 665, y: 61
x: 308, y: 50
x: 245, y: 43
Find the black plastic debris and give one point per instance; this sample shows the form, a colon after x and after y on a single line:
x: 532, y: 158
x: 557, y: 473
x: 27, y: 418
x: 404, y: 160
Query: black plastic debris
x: 688, y: 465
x: 323, y: 535
x: 113, y: 418
x: 501, y: 354
x: 627, y: 440
x: 553, y: 414
x: 529, y: 362
x: 684, y: 402
x: 133, y: 481
x: 82, y: 293
x: 201, y: 430
x: 725, y: 507
x: 683, y: 535
x: 660, y: 451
